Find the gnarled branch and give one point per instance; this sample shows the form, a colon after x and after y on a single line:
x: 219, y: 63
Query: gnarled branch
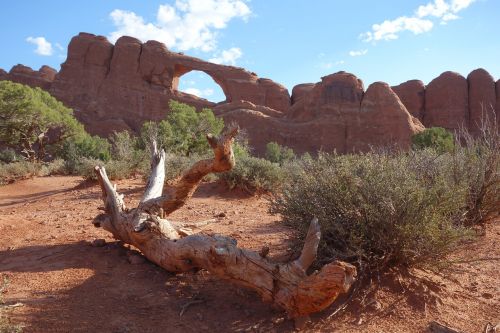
x: 285, y: 284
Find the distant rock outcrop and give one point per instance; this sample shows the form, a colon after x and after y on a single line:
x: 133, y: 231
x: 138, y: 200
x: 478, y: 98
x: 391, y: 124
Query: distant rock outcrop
x: 131, y: 82
x: 412, y: 94
x: 447, y: 102
x: 482, y: 98
x: 118, y: 87
x: 42, y: 78
x: 334, y: 114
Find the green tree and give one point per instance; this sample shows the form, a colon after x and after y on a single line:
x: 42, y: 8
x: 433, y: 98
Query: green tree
x: 278, y: 154
x: 31, y: 120
x: 184, y: 129
x: 435, y: 137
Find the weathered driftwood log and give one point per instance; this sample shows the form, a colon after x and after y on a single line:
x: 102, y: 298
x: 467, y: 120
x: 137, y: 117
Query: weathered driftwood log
x: 285, y: 284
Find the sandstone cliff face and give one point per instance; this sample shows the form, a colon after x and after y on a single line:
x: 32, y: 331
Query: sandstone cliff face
x: 3, y: 75
x: 451, y: 101
x: 482, y: 98
x: 342, y: 116
x: 123, y: 85
x: 412, y: 94
x: 42, y: 78
x: 447, y: 102
x: 118, y: 87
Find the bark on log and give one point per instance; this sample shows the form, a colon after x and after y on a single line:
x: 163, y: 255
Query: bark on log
x: 284, y: 284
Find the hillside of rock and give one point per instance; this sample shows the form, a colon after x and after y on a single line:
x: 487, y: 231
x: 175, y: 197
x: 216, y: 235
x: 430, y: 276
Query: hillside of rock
x: 118, y: 87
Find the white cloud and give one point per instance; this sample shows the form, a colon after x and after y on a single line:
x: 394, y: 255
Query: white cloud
x: 186, y: 25
x: 227, y: 57
x: 389, y: 30
x: 328, y: 65
x: 358, y: 53
x: 200, y: 93
x: 458, y: 5
x: 418, y: 23
x: 193, y: 91
x: 437, y: 9
x: 43, y: 47
x: 59, y: 47
x: 208, y: 92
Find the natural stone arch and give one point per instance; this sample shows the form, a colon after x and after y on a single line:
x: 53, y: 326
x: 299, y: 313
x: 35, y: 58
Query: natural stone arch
x: 180, y: 70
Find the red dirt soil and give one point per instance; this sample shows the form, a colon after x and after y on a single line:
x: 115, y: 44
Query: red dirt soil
x: 67, y: 285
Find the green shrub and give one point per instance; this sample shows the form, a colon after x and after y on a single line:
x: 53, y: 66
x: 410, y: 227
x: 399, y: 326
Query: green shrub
x: 55, y: 167
x: 125, y: 146
x: 10, y: 172
x: 33, y: 120
x: 115, y: 169
x: 379, y: 210
x: 476, y: 165
x: 435, y: 137
x: 254, y: 175
x: 9, y: 155
x: 86, y: 146
x: 278, y: 154
x: 183, y: 131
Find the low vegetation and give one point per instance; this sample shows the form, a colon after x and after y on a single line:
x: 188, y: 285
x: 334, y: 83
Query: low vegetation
x: 436, y: 138
x: 382, y: 209
x: 378, y: 209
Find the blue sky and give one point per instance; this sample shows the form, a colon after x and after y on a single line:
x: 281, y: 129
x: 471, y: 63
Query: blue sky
x: 291, y: 42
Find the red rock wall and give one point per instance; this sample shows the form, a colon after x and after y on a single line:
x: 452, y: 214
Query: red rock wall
x: 482, y: 98
x: 452, y: 101
x: 118, y: 87
x: 123, y: 85
x: 42, y: 78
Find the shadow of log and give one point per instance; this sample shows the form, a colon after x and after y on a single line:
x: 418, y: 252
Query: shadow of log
x: 115, y: 296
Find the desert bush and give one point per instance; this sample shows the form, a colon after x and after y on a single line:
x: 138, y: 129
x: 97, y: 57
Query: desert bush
x: 435, y: 137
x: 476, y: 165
x: 54, y: 167
x: 183, y: 131
x: 125, y: 147
x: 9, y: 155
x: 87, y: 146
x: 377, y: 209
x: 10, y: 172
x: 115, y: 169
x: 278, y: 154
x: 254, y: 174
x: 33, y: 120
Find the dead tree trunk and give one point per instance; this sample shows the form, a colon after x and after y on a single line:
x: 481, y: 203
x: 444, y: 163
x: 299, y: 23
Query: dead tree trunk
x: 285, y: 284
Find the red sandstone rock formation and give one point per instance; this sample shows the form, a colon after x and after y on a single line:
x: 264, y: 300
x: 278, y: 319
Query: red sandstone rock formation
x: 335, y: 93
x: 412, y: 94
x: 3, y: 75
x: 132, y: 82
x: 301, y: 90
x: 447, y: 102
x: 118, y: 87
x: 334, y: 114
x: 482, y: 98
x: 42, y: 78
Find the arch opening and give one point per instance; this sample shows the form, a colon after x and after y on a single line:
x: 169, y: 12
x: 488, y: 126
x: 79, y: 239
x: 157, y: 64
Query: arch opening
x: 200, y: 84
